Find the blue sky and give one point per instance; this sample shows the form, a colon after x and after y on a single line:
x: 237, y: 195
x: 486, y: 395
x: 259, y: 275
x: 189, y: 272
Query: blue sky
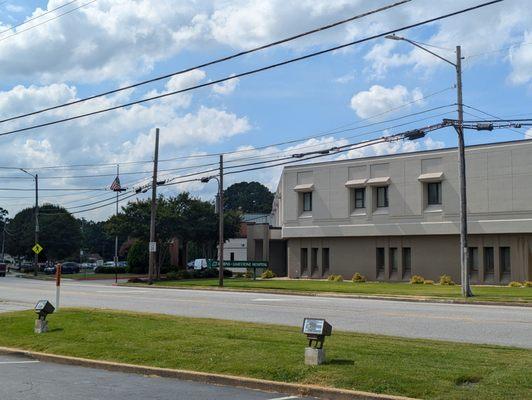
x: 110, y: 43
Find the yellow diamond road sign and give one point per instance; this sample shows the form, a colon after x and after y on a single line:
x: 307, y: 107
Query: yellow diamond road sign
x: 37, y: 248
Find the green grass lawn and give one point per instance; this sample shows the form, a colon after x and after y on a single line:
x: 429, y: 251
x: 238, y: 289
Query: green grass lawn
x: 416, y: 368
x: 482, y: 293
x: 82, y: 275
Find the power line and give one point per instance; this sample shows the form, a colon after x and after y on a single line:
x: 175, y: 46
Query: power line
x: 210, y: 63
x: 247, y: 73
x: 34, y: 18
x: 48, y: 20
x: 319, y: 134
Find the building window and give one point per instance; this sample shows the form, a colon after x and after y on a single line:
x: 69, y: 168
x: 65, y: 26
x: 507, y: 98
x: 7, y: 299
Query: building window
x: 360, y: 198
x: 489, y: 264
x: 380, y: 260
x: 434, y: 193
x: 382, y: 196
x: 504, y: 256
x: 407, y: 260
x: 325, y: 260
x: 232, y: 256
x: 473, y: 259
x: 307, y: 201
x: 393, y: 259
x: 313, y: 260
x: 304, y: 261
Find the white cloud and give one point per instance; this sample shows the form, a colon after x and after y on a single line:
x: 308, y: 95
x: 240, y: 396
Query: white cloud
x: 521, y: 61
x: 346, y: 78
x: 379, y: 99
x: 226, y: 87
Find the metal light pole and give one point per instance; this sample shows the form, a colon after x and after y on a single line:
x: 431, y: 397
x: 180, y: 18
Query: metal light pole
x: 464, y: 254
x: 36, y: 212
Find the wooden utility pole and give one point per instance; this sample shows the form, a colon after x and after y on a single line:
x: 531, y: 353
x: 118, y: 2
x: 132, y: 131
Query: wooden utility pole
x: 464, y: 253
x: 36, y: 223
x: 221, y: 223
x: 153, y: 245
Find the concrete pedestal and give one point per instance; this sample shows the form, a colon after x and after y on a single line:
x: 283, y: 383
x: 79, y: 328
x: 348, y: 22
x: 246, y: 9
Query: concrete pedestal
x: 41, y: 326
x: 314, y: 356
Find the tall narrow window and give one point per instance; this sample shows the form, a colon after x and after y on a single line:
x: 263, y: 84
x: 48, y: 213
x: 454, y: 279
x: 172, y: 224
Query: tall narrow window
x: 360, y: 198
x: 325, y: 262
x: 393, y: 259
x: 313, y: 260
x: 307, y: 201
x: 232, y: 256
x: 504, y: 255
x: 304, y: 261
x: 380, y: 260
x: 382, y: 196
x: 407, y: 260
x: 489, y: 261
x: 473, y: 259
x: 434, y: 193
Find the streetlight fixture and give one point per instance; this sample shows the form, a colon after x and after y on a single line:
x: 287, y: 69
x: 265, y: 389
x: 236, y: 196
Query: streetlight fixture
x: 464, y: 254
x: 36, y: 178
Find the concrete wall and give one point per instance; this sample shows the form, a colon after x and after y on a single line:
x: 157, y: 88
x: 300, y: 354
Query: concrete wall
x: 499, y: 178
x: 431, y: 256
x: 499, y: 191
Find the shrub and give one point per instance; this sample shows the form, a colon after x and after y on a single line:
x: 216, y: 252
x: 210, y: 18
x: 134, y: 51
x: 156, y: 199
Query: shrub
x: 268, y: 274
x: 428, y: 282
x: 137, y: 258
x: 357, y: 277
x: 238, y: 274
x: 417, y: 279
x: 335, y: 278
x: 527, y: 283
x: 515, y: 284
x: 248, y: 274
x: 446, y: 280
x: 110, y: 270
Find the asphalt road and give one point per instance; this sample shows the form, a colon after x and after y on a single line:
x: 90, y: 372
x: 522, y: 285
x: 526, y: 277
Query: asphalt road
x: 501, y: 325
x: 28, y: 379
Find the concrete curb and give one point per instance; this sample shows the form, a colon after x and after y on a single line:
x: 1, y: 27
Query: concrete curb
x: 216, y: 379
x: 335, y: 295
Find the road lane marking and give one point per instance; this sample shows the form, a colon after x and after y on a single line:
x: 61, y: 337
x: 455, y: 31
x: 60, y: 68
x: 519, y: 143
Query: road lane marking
x: 273, y: 299
x: 19, y: 362
x: 121, y: 291
x: 286, y: 398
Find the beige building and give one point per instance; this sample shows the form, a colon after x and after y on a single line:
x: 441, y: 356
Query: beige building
x: 391, y: 217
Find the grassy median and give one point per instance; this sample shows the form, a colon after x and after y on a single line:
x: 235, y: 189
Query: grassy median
x: 416, y: 368
x: 482, y: 293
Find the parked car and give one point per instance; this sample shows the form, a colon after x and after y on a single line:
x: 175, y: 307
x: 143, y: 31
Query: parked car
x: 69, y: 268
x: 26, y: 267
x: 66, y: 268
x: 201, y: 263
x: 3, y: 269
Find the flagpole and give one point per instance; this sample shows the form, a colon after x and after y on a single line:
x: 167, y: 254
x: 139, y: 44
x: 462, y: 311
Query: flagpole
x: 116, y: 237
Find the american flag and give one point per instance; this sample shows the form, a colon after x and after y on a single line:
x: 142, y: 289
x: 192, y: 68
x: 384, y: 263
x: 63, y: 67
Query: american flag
x: 115, y: 186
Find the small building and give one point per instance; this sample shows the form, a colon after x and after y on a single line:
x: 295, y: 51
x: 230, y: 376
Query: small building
x: 394, y: 216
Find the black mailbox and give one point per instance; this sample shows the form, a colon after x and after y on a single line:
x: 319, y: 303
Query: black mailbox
x: 43, y: 308
x: 316, y: 329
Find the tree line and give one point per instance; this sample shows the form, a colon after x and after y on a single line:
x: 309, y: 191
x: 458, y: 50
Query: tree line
x: 190, y: 220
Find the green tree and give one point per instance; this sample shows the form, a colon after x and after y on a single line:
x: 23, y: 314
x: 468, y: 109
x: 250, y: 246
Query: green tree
x: 184, y: 217
x: 59, y: 233
x: 96, y: 240
x: 137, y: 258
x: 248, y: 197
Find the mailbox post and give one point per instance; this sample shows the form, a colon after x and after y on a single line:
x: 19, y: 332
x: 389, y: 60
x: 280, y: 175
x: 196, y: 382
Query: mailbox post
x: 42, y: 309
x: 316, y: 330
